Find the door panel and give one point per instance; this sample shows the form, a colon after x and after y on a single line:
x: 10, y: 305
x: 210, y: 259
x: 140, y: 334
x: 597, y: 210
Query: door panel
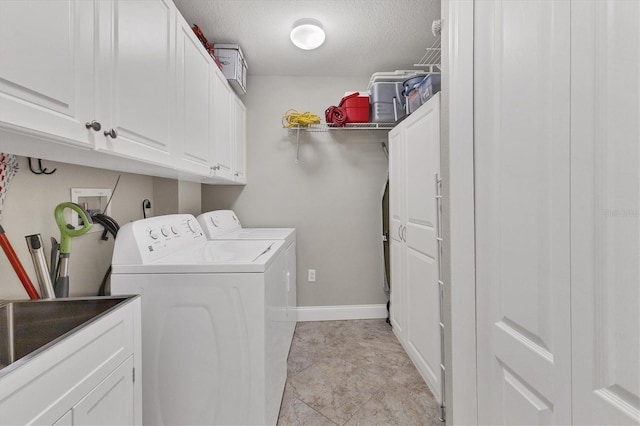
x: 423, y: 324
x: 194, y: 77
x: 396, y: 179
x: 522, y: 211
x: 397, y: 305
x: 223, y: 105
x: 137, y: 90
x: 111, y: 402
x: 422, y: 163
x: 422, y: 160
x: 605, y: 220
x: 46, y: 68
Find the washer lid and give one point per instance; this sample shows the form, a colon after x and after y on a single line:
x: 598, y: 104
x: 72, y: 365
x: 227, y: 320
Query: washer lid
x: 220, y: 256
x: 288, y: 234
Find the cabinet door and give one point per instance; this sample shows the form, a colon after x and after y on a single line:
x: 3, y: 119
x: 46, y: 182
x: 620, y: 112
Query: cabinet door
x: 240, y: 141
x: 111, y: 402
x: 422, y: 164
x: 397, y: 308
x: 136, y: 77
x: 521, y: 126
x: 605, y: 212
x: 194, y: 67
x: 46, y: 68
x: 223, y: 105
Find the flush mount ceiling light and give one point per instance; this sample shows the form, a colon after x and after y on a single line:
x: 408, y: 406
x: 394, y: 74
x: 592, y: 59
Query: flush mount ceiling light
x: 307, y: 34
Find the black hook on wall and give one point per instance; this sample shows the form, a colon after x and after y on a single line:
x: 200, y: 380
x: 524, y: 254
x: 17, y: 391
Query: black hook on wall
x: 41, y: 170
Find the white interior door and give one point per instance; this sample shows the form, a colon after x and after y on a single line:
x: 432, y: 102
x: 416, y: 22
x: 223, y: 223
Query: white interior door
x: 605, y: 211
x: 522, y: 107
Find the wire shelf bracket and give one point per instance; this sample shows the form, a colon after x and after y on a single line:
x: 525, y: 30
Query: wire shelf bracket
x: 432, y: 59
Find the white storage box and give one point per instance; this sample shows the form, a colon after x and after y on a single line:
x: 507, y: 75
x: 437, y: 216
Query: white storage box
x: 234, y: 66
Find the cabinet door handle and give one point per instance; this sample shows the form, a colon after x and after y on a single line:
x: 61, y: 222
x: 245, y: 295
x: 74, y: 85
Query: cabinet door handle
x: 400, y: 232
x: 93, y: 125
x: 236, y: 174
x: 404, y: 234
x: 112, y: 133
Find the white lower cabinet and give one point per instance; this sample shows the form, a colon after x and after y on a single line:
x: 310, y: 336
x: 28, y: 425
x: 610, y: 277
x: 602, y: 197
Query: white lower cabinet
x: 88, y: 378
x: 414, y: 147
x: 111, y: 402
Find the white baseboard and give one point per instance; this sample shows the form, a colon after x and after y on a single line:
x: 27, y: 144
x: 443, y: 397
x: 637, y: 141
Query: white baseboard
x: 341, y: 312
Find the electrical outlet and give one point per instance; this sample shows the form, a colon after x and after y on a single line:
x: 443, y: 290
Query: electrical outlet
x: 311, y: 276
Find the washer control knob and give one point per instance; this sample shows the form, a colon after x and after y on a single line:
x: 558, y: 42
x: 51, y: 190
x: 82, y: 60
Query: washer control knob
x: 214, y: 222
x: 165, y: 231
x: 192, y: 227
x: 174, y: 230
x: 153, y: 233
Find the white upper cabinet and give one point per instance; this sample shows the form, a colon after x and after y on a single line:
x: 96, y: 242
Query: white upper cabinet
x: 127, y: 80
x: 193, y: 143
x: 136, y: 78
x: 223, y: 149
x: 46, y: 68
x: 240, y: 141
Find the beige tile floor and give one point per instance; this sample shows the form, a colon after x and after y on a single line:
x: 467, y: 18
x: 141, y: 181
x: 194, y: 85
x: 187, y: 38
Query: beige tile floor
x: 353, y: 373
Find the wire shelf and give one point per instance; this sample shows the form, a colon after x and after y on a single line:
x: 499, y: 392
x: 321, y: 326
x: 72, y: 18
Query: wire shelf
x: 324, y: 127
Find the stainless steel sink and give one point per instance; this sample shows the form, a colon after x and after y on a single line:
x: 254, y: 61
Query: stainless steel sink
x: 29, y: 327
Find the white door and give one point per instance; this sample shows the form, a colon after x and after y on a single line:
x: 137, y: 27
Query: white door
x: 46, y: 68
x: 422, y: 163
x: 136, y: 77
x: 240, y: 141
x: 223, y: 106
x: 605, y: 211
x: 194, y: 67
x: 397, y: 305
x: 522, y: 123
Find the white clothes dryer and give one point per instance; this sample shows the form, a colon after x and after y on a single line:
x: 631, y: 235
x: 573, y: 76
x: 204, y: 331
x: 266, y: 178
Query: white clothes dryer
x: 225, y: 225
x: 215, y: 336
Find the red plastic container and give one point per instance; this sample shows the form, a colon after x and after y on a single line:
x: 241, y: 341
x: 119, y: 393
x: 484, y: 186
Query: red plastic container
x: 356, y: 108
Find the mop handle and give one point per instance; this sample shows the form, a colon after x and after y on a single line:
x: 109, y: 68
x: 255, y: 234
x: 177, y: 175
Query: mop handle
x: 17, y: 266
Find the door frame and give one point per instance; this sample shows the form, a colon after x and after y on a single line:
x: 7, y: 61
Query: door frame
x: 457, y: 165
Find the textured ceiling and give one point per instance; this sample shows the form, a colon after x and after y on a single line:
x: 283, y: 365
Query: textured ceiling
x: 363, y: 36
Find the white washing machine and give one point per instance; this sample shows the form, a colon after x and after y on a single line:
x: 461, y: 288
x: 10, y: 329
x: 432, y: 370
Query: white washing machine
x: 215, y: 335
x: 225, y: 225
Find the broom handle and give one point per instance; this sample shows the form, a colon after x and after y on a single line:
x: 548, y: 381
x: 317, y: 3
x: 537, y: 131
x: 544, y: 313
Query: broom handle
x: 17, y: 266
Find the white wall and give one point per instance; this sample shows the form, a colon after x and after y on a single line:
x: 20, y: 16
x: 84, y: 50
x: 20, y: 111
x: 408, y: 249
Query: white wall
x: 28, y: 209
x: 332, y: 195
